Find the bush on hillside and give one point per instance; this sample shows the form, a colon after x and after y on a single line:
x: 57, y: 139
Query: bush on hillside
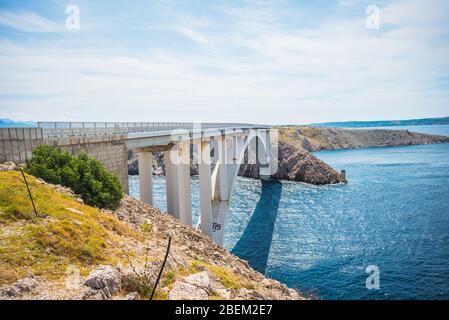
x: 86, y: 176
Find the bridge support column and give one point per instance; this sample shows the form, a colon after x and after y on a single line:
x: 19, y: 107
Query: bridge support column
x: 223, y: 173
x: 264, y: 155
x: 185, y: 202
x: 205, y: 187
x: 171, y: 179
x: 145, y: 160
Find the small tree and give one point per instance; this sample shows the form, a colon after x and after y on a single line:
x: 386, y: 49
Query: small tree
x: 86, y: 176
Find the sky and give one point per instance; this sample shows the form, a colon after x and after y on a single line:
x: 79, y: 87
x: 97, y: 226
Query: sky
x: 270, y: 62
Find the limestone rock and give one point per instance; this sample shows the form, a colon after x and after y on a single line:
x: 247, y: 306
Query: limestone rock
x: 256, y: 295
x: 21, y: 286
x: 294, y: 294
x: 200, y: 280
x: 193, y: 287
x: 243, y: 294
x: 91, y: 294
x: 225, y: 293
x: 8, y: 166
x: 106, y: 279
x: 186, y: 291
x: 132, y: 296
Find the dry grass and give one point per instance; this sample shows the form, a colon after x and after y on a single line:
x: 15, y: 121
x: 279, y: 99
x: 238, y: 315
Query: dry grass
x: 65, y: 232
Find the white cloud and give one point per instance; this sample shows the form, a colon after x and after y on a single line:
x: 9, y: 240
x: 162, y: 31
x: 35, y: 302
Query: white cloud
x: 192, y: 35
x: 415, y: 12
x: 28, y: 22
x: 345, y: 3
x: 337, y: 70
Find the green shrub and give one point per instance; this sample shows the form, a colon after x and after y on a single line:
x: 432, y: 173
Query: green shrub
x: 86, y: 176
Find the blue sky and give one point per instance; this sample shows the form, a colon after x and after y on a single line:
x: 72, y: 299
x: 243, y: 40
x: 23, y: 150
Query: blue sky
x: 278, y: 62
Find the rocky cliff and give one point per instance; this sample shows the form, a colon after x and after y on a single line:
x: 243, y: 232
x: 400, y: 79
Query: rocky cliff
x: 296, y: 164
x: 74, y: 251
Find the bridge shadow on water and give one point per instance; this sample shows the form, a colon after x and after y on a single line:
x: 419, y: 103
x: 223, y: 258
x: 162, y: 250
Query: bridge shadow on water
x: 254, y: 245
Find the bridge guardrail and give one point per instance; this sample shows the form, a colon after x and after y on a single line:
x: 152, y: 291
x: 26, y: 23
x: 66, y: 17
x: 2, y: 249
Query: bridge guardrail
x: 71, y: 129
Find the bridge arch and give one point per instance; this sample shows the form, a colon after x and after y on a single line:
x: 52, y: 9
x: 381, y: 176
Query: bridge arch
x: 253, y: 150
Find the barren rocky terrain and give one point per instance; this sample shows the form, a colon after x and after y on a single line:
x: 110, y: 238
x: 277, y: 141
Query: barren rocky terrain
x: 325, y: 138
x: 73, y: 251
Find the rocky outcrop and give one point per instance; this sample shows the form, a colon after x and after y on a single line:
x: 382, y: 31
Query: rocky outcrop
x: 193, y: 287
x: 20, y: 287
x: 105, y: 279
x: 300, y: 165
x: 8, y: 166
x: 296, y: 164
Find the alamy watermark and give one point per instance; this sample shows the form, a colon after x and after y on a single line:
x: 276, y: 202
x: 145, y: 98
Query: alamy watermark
x: 72, y: 277
x: 72, y: 21
x: 373, y: 280
x: 372, y: 21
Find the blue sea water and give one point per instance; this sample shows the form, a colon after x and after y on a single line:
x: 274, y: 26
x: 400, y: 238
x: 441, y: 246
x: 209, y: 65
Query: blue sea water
x: 393, y: 213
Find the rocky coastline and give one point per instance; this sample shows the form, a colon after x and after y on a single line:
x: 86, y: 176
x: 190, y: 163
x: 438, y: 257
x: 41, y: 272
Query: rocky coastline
x: 326, y: 138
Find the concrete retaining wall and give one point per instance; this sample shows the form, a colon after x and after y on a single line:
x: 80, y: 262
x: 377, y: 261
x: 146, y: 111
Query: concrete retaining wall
x: 17, y: 144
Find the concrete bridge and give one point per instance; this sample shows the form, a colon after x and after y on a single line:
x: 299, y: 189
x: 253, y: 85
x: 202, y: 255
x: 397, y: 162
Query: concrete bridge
x: 220, y: 148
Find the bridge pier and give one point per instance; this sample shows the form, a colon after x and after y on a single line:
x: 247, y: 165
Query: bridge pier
x: 263, y: 157
x: 185, y: 202
x: 177, y: 177
x: 145, y: 160
x: 205, y: 181
x: 223, y: 168
x: 171, y: 181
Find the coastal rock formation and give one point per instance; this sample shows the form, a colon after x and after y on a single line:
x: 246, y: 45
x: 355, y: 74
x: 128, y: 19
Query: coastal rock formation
x: 325, y: 138
x: 296, y: 164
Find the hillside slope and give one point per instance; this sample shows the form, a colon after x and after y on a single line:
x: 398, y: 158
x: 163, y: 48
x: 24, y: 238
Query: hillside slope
x: 117, y: 254
x: 322, y: 138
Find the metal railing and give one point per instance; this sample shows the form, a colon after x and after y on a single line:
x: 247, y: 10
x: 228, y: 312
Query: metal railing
x: 73, y: 129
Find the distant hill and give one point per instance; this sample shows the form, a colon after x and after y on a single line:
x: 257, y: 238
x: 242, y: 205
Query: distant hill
x: 384, y: 123
x: 6, y: 123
